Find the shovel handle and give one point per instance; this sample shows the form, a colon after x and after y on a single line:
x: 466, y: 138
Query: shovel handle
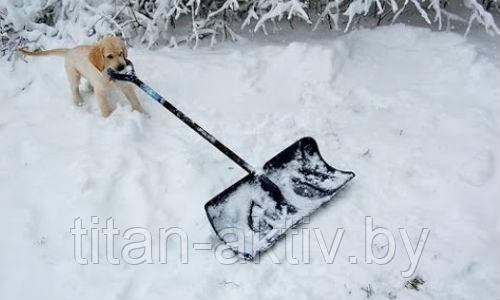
x: 197, y: 128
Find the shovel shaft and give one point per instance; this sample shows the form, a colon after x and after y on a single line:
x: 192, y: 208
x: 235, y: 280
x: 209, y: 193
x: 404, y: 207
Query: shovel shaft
x: 197, y: 128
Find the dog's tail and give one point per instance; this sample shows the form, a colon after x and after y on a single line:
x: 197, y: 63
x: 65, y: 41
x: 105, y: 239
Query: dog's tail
x: 56, y: 52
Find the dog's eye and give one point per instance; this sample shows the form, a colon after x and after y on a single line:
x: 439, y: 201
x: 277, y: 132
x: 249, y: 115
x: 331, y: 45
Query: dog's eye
x: 110, y: 56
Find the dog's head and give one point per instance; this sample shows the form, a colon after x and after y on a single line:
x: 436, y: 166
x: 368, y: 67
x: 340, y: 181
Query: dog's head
x: 110, y: 52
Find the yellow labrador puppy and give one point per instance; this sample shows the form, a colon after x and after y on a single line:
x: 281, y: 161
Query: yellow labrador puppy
x: 91, y: 62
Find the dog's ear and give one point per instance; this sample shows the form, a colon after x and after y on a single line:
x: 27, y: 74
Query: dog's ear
x: 96, y: 57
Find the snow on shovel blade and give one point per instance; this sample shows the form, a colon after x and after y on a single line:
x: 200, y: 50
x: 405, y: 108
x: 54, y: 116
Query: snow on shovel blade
x: 250, y: 220
x: 254, y: 212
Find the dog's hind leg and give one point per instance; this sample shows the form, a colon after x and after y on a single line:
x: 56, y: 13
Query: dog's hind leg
x: 74, y: 82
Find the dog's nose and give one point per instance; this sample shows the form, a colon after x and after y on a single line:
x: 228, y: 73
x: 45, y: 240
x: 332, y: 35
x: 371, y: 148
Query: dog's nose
x: 120, y: 67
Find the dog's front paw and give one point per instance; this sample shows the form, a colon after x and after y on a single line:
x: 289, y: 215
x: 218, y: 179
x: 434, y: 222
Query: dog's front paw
x: 106, y: 113
x: 143, y: 112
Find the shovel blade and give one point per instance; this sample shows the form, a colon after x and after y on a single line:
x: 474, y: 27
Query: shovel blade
x: 249, y: 218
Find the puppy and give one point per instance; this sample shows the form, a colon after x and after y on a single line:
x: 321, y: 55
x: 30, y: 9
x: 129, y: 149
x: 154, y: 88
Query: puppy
x: 92, y: 62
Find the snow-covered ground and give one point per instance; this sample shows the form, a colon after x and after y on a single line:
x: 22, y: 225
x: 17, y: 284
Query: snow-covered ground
x: 415, y: 113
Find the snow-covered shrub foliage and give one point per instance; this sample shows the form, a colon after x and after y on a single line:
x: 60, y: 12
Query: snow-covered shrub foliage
x: 169, y: 22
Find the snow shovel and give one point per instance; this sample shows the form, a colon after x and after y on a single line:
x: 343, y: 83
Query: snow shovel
x: 252, y: 214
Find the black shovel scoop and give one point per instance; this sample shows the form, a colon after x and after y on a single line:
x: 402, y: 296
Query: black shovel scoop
x: 252, y: 214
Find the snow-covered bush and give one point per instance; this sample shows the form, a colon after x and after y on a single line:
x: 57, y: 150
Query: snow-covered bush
x: 169, y: 22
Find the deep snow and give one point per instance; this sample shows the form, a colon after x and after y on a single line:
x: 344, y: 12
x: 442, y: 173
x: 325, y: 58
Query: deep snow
x: 414, y: 113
